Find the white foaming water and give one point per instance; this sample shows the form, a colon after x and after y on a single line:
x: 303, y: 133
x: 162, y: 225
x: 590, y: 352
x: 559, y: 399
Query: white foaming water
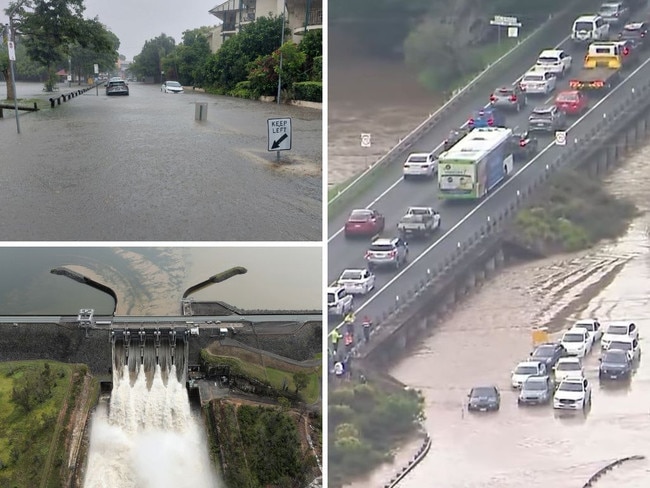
x: 148, y: 438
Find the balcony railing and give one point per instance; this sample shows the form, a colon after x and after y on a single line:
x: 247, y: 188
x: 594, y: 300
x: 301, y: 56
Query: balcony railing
x: 229, y: 27
x: 315, y: 17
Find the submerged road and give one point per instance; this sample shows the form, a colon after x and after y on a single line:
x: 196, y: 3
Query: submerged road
x: 393, y: 195
x: 141, y: 168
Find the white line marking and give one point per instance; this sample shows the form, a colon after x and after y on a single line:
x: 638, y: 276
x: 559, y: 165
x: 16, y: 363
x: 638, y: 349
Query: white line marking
x: 490, y: 195
x: 385, y: 192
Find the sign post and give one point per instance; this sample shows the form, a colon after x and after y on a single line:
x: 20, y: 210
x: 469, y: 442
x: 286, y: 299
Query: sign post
x: 560, y: 138
x: 366, y: 142
x: 279, y: 131
x: 96, y: 70
x: 512, y: 23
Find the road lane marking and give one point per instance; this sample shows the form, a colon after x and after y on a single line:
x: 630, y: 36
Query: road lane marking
x: 491, y: 195
x: 391, y: 187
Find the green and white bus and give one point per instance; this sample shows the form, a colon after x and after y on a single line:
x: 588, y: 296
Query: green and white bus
x: 475, y: 164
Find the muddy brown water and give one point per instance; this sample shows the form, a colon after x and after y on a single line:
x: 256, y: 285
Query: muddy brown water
x: 481, y: 342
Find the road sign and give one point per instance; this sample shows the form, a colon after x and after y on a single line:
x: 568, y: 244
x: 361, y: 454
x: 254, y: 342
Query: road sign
x: 366, y: 140
x: 513, y: 31
x: 560, y: 138
x: 504, y: 21
x: 12, y: 51
x: 96, y: 68
x: 279, y: 134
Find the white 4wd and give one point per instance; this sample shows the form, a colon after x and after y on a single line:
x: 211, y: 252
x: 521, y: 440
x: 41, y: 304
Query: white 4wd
x: 592, y: 325
x: 572, y: 394
x: 568, y: 368
x: 339, y: 302
x: 357, y: 281
x: 618, y: 330
x: 524, y: 370
x: 577, y: 342
x: 556, y: 61
x: 589, y: 28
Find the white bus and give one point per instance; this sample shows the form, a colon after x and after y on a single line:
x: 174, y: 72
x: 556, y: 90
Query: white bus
x: 476, y: 163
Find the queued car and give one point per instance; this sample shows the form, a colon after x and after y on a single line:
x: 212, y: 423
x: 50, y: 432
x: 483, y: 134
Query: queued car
x: 627, y: 344
x: 117, y: 86
x: 538, y: 81
x: 536, y: 390
x: 636, y: 32
x: 483, y: 399
x: 420, y: 165
x: 339, y: 302
x: 615, y: 364
x: 487, y: 117
x: 592, y: 325
x: 549, y: 354
x: 568, y: 368
x: 614, y: 12
x: 618, y: 330
x: 556, y: 61
x: 546, y: 119
x: 577, y: 342
x: 572, y: 394
x: 171, y: 87
x: 357, y: 281
x: 508, y: 98
x: 454, y: 136
x: 391, y: 252
x: 523, y: 145
x: 364, y: 222
x: 572, y: 102
x: 526, y: 369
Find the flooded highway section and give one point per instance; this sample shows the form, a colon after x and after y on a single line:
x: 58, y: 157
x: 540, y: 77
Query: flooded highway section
x: 140, y: 167
x: 481, y: 343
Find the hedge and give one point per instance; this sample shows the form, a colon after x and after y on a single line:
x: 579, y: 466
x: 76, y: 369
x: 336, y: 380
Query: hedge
x: 308, y: 91
x: 318, y: 68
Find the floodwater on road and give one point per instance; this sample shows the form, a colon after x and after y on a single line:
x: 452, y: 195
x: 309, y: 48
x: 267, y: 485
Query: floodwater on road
x: 141, y: 168
x: 481, y: 342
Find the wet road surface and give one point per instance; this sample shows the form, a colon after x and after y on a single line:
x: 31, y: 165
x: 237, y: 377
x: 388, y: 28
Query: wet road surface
x: 491, y: 331
x: 141, y: 168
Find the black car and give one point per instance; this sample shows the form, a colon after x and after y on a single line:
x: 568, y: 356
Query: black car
x: 615, y: 364
x: 636, y: 32
x: 548, y: 354
x: 454, y: 136
x: 483, y: 399
x: 536, y: 390
x: 546, y: 119
x: 523, y: 145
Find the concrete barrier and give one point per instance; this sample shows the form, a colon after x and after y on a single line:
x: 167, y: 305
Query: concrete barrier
x: 414, y: 461
x: 602, y: 471
x: 54, y: 101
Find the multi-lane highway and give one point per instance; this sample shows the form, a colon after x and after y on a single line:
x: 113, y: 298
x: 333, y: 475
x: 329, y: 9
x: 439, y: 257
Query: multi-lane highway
x: 392, y: 195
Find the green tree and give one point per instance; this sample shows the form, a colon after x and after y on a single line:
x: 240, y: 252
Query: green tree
x: 33, y: 388
x: 150, y: 60
x: 190, y: 56
x: 301, y: 380
x: 312, y: 45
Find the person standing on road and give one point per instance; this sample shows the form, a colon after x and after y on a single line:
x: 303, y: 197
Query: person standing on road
x: 349, y: 322
x: 366, y: 328
x: 336, y: 337
x: 348, y: 339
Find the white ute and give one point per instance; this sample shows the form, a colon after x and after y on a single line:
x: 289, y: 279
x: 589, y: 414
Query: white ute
x: 577, y: 342
x: 617, y: 330
x: 524, y: 370
x: 420, y: 165
x: 339, y: 302
x: 568, y: 368
x: 556, y: 61
x: 357, y: 281
x: 572, y: 394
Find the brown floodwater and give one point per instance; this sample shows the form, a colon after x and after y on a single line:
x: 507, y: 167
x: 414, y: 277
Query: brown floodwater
x: 490, y: 332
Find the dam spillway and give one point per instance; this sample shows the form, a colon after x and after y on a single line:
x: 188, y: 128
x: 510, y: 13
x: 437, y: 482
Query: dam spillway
x: 147, y: 435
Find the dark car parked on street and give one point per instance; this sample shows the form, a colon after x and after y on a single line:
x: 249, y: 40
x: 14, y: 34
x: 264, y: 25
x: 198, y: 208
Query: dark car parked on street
x: 483, y: 399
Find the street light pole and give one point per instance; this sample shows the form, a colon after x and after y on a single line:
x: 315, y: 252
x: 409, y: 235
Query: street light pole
x: 284, y: 6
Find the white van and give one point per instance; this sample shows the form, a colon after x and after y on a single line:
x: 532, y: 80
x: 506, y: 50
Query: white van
x: 589, y: 28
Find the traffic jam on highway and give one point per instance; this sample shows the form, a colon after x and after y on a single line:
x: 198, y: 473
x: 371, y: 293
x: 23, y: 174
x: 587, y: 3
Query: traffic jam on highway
x: 375, y: 247
x: 554, y: 374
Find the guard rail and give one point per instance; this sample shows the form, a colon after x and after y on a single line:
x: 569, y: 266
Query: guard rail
x: 512, y: 195
x: 419, y: 456
x: 598, y: 474
x: 529, y: 47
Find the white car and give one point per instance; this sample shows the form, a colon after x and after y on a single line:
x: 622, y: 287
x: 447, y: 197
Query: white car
x: 420, y: 165
x: 592, y: 325
x: 538, y: 81
x: 524, y: 370
x: 357, y: 281
x: 339, y: 302
x: 555, y: 61
x: 617, y: 330
x: 171, y: 87
x: 577, y: 342
x: 568, y: 368
x: 572, y: 394
x: 627, y: 344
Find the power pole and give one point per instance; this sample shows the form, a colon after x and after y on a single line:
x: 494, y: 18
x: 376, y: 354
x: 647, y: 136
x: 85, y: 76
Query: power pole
x: 284, y: 6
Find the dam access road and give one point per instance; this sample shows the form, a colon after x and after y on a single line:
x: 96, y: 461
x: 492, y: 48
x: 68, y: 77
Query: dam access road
x: 391, y: 195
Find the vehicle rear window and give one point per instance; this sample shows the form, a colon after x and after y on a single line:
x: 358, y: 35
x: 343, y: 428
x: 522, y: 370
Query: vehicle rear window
x: 547, y: 59
x: 542, y: 115
x: 533, y: 78
x: 584, y: 26
x: 603, y: 50
x: 505, y: 91
x: 565, y: 97
x: 360, y: 215
x: 417, y: 159
x: 381, y: 247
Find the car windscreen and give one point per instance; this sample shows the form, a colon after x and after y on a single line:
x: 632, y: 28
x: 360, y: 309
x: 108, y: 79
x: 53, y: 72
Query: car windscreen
x: 569, y: 97
x: 417, y: 159
x: 505, y: 91
x: 541, y: 115
x: 352, y: 275
x: 566, y: 386
x: 568, y: 366
x: 175, y: 84
x: 483, y: 392
x: 526, y: 370
x: 535, y: 385
x: 381, y: 247
x: 617, y: 330
x: 584, y: 26
x: 574, y: 338
x: 608, y: 9
x: 623, y: 346
x: 544, y: 352
x: 616, y: 357
x: 630, y: 35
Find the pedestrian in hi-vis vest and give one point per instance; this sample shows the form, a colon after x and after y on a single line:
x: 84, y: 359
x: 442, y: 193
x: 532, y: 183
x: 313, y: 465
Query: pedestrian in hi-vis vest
x: 349, y: 322
x: 336, y: 337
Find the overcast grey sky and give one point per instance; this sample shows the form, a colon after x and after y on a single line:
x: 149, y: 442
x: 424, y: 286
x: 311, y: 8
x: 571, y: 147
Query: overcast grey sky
x: 137, y: 21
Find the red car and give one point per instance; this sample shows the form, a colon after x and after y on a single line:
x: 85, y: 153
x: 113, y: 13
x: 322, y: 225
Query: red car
x: 364, y: 222
x: 572, y: 102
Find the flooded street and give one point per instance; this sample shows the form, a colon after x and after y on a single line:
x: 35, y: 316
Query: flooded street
x: 141, y: 168
x: 491, y: 331
x: 363, y: 99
